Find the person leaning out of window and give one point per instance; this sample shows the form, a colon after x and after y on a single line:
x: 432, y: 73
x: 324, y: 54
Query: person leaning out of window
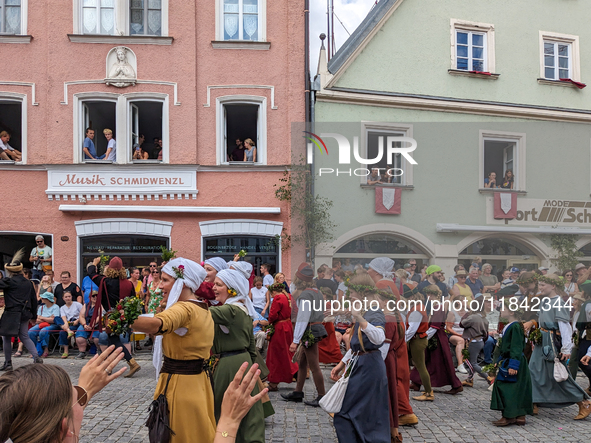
x: 250, y: 151
x: 111, y: 153
x: 491, y: 181
x: 508, y: 180
x: 138, y: 149
x: 7, y: 152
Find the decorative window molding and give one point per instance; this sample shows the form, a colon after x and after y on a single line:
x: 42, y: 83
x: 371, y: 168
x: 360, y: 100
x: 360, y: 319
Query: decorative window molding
x: 518, y: 158
x: 238, y: 44
x: 88, y: 82
x: 395, y: 129
x: 119, y: 14
x: 574, y: 57
x: 123, y: 124
x: 261, y: 129
x: 224, y: 9
x: 14, y: 98
x: 121, y: 39
x: 210, y: 87
x: 485, y: 29
x: 240, y: 227
x: 133, y: 226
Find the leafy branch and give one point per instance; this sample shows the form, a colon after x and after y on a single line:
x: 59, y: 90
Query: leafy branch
x: 567, y: 253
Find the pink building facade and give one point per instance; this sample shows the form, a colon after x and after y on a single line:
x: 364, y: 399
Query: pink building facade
x: 191, y: 77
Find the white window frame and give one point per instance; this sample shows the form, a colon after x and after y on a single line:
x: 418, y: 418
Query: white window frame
x: 122, y: 19
x: 24, y: 17
x: 476, y: 27
x: 219, y: 22
x: 261, y: 126
x: 574, y: 56
x: 406, y: 130
x: 123, y: 123
x: 22, y: 100
x: 519, y: 157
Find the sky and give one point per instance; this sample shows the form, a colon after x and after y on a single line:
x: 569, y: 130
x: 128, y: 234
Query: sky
x: 351, y: 13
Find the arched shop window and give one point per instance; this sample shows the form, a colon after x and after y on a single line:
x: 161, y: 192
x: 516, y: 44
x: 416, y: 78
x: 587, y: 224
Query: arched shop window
x: 134, y: 250
x: 258, y: 250
x: 11, y: 242
x: 364, y: 249
x: 501, y: 254
x: 586, y: 258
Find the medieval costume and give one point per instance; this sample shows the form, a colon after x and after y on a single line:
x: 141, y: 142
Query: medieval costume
x: 205, y: 290
x: 364, y: 415
x: 234, y: 344
x: 329, y: 351
x: 583, y: 330
x: 183, y: 345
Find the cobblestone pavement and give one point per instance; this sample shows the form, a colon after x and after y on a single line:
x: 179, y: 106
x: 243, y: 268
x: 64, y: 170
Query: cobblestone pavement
x: 118, y: 413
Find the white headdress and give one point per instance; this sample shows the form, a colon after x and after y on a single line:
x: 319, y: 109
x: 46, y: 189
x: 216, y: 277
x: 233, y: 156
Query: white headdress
x: 235, y: 280
x: 216, y: 263
x: 383, y: 266
x: 192, y: 277
x: 243, y: 267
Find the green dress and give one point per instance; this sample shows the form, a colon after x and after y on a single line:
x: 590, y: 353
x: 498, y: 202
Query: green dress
x: 514, y: 399
x: 233, y: 332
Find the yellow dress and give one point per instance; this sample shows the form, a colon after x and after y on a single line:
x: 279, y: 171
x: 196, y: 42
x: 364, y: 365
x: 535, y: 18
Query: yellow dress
x: 190, y: 397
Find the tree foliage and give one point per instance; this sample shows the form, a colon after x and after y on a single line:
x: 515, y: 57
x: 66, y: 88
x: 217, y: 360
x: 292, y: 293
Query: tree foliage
x: 567, y: 253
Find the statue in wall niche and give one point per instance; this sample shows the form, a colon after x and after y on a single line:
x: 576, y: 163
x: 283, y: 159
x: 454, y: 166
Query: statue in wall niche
x: 121, y: 73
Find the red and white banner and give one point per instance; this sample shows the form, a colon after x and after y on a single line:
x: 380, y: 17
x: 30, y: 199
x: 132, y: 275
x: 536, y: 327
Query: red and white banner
x: 387, y: 200
x: 505, y: 205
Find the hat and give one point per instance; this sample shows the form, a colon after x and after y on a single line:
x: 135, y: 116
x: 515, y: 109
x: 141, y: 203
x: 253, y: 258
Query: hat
x: 461, y: 273
x: 508, y: 290
x: 48, y: 296
x: 580, y: 266
x: 409, y: 292
x: 305, y: 273
x: 586, y: 286
x: 116, y: 263
x: 578, y: 296
x: 16, y: 264
x: 433, y: 268
x: 514, y: 269
x: 543, y: 268
x: 407, y: 265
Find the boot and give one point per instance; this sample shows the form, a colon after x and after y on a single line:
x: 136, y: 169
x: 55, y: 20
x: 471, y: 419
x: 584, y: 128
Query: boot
x: 490, y: 380
x: 295, y: 396
x: 584, y: 410
x: 536, y: 410
x: 504, y: 422
x: 427, y: 396
x: 454, y: 391
x: 408, y: 420
x: 133, y: 368
x: 315, y: 402
x: 414, y: 387
x: 469, y: 383
x: 520, y: 420
x: 7, y: 366
x: 273, y: 386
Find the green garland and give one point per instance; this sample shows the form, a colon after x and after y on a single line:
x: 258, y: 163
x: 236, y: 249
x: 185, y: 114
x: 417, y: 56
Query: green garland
x: 308, y: 339
x: 533, y: 279
x: 117, y: 323
x: 433, y: 343
x: 362, y: 289
x: 535, y: 336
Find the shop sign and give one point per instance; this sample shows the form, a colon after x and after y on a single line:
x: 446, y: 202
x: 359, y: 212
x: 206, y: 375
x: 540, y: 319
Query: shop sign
x: 546, y: 212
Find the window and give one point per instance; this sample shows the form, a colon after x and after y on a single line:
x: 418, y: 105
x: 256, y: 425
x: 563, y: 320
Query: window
x: 98, y: 17
x: 241, y: 20
x: 473, y: 46
x: 502, y: 152
x: 145, y: 17
x: 559, y: 56
x: 260, y: 250
x: 10, y: 16
x: 11, y: 128
x: 399, y: 171
x: 242, y: 117
x: 135, y: 119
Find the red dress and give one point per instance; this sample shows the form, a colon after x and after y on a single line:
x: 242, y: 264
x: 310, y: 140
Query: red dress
x: 281, y: 369
x: 329, y: 350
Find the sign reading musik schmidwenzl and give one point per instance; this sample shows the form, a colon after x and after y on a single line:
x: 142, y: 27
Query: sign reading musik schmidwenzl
x: 109, y: 180
x: 546, y: 212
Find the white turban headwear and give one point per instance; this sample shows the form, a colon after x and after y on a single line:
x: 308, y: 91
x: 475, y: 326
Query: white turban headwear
x: 235, y: 280
x: 216, y: 263
x: 193, y: 276
x: 243, y: 267
x: 383, y: 266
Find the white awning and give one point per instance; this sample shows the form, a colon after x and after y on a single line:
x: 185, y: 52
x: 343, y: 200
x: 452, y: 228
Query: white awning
x: 177, y: 209
x: 454, y: 227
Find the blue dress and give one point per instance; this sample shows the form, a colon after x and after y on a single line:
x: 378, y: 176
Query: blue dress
x: 365, y: 415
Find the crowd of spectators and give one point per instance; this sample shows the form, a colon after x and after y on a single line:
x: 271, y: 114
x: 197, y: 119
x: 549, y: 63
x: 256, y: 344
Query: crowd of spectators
x: 140, y: 151
x: 507, y: 182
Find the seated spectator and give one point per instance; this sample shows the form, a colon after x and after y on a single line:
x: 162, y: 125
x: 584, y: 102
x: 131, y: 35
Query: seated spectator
x: 70, y: 313
x: 260, y: 336
x: 44, y: 287
x: 491, y: 181
x: 88, y: 148
x: 104, y: 341
x: 374, y: 178
x: 7, y: 152
x: 260, y: 297
x: 88, y: 286
x: 84, y: 328
x: 250, y: 151
x: 157, y: 152
x: 238, y: 152
x: 67, y: 285
x: 138, y: 149
x: 508, y: 180
x: 48, y: 319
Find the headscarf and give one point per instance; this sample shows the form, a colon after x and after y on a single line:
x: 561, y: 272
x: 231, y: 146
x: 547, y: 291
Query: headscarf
x: 433, y: 268
x: 243, y: 267
x: 192, y: 277
x: 383, y: 266
x: 216, y: 263
x: 235, y: 280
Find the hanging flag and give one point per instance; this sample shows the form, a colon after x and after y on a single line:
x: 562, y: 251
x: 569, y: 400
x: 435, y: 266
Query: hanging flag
x: 387, y: 200
x: 505, y: 205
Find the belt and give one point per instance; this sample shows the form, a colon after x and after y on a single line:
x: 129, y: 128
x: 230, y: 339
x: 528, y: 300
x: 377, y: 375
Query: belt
x: 316, y: 323
x: 367, y: 352
x: 550, y: 330
x: 183, y: 367
x: 284, y: 320
x: 230, y: 353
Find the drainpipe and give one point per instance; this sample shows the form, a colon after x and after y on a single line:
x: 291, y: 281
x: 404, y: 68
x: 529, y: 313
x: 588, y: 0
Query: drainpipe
x: 307, y: 90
